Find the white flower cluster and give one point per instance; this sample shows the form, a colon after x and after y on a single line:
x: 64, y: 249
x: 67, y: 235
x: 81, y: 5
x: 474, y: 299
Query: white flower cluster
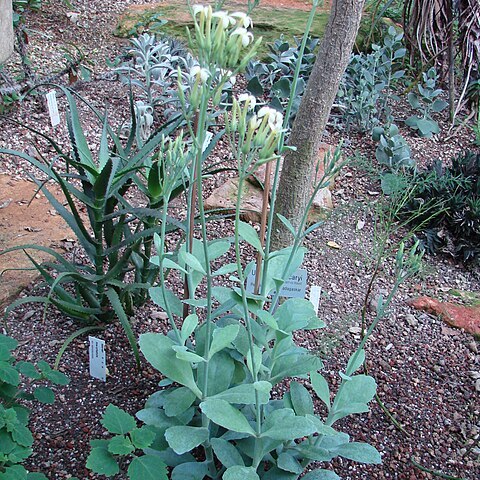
x: 222, y: 35
x: 257, y: 131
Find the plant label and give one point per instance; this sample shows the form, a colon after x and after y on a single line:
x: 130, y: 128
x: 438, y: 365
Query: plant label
x: 98, y: 367
x: 315, y: 292
x: 294, y: 287
x: 53, y: 107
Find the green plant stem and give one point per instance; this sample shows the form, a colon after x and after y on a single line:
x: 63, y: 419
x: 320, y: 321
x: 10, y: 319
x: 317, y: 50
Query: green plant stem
x: 435, y: 473
x: 192, y: 195
x: 200, y: 138
x: 162, y: 278
x: 256, y: 459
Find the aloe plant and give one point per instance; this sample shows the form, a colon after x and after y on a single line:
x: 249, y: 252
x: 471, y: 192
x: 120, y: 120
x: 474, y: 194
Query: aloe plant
x: 115, y: 235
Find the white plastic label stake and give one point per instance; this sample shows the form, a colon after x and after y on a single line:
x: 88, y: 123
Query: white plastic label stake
x: 294, y: 287
x: 53, y: 107
x: 315, y: 292
x: 98, y: 367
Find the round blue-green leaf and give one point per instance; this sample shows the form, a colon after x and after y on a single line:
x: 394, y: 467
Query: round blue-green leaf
x: 183, y: 439
x: 147, y: 467
x: 321, y: 474
x: 8, y: 374
x: 238, y: 472
x: 28, y: 369
x: 15, y: 472
x: 120, y: 445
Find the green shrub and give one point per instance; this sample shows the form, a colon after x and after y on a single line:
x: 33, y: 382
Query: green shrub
x: 450, y: 199
x: 426, y: 102
x: 16, y: 440
x: 366, y: 91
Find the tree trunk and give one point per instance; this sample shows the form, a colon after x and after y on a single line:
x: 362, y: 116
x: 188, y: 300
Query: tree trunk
x: 298, y: 167
x: 6, y: 30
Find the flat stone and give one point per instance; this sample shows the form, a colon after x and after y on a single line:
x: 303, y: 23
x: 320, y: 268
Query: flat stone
x: 225, y: 196
x: 459, y: 316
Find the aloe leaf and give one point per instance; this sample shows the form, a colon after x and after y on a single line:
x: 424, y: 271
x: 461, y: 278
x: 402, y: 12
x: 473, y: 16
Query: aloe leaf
x: 104, y: 152
x: 122, y: 317
x: 77, y: 137
x: 70, y: 339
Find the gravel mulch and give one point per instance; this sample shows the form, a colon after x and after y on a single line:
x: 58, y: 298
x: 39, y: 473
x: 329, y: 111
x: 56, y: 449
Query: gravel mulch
x: 425, y: 370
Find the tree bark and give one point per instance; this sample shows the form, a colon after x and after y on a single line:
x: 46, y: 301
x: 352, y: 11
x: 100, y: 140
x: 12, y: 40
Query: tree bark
x: 298, y: 167
x: 6, y: 30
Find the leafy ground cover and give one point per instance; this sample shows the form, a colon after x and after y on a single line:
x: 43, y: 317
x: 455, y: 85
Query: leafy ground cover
x: 426, y: 371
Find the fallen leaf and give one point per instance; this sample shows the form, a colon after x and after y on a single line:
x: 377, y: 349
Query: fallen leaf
x: 333, y: 245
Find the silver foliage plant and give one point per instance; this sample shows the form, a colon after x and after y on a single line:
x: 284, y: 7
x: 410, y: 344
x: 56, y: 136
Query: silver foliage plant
x: 229, y: 353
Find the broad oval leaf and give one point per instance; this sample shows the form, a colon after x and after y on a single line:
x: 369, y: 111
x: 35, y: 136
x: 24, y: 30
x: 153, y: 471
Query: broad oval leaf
x: 223, y: 414
x: 182, y: 439
x: 359, y: 452
x: 222, y: 338
x: 250, y: 235
x: 237, y: 472
x: 227, y: 453
x: 157, y: 349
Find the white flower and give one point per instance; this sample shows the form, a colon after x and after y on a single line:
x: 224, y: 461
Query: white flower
x: 199, y: 9
x: 201, y: 74
x: 274, y: 117
x: 249, y: 100
x: 254, y: 122
x: 228, y: 73
x: 243, y: 19
x: 247, y: 37
x: 225, y: 18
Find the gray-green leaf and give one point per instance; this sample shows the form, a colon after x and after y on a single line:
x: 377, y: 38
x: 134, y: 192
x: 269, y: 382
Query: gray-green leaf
x: 238, y: 472
x: 227, y: 453
x: 321, y: 388
x: 157, y: 349
x: 182, y: 439
x: 222, y: 338
x: 249, y: 234
x: 223, y: 414
x: 359, y: 452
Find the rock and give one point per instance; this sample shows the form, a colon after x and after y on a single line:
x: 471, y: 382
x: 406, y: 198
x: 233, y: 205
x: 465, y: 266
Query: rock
x: 467, y: 318
x: 225, y: 196
x: 411, y: 320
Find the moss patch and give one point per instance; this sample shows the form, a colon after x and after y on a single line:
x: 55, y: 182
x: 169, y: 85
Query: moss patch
x: 269, y: 22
